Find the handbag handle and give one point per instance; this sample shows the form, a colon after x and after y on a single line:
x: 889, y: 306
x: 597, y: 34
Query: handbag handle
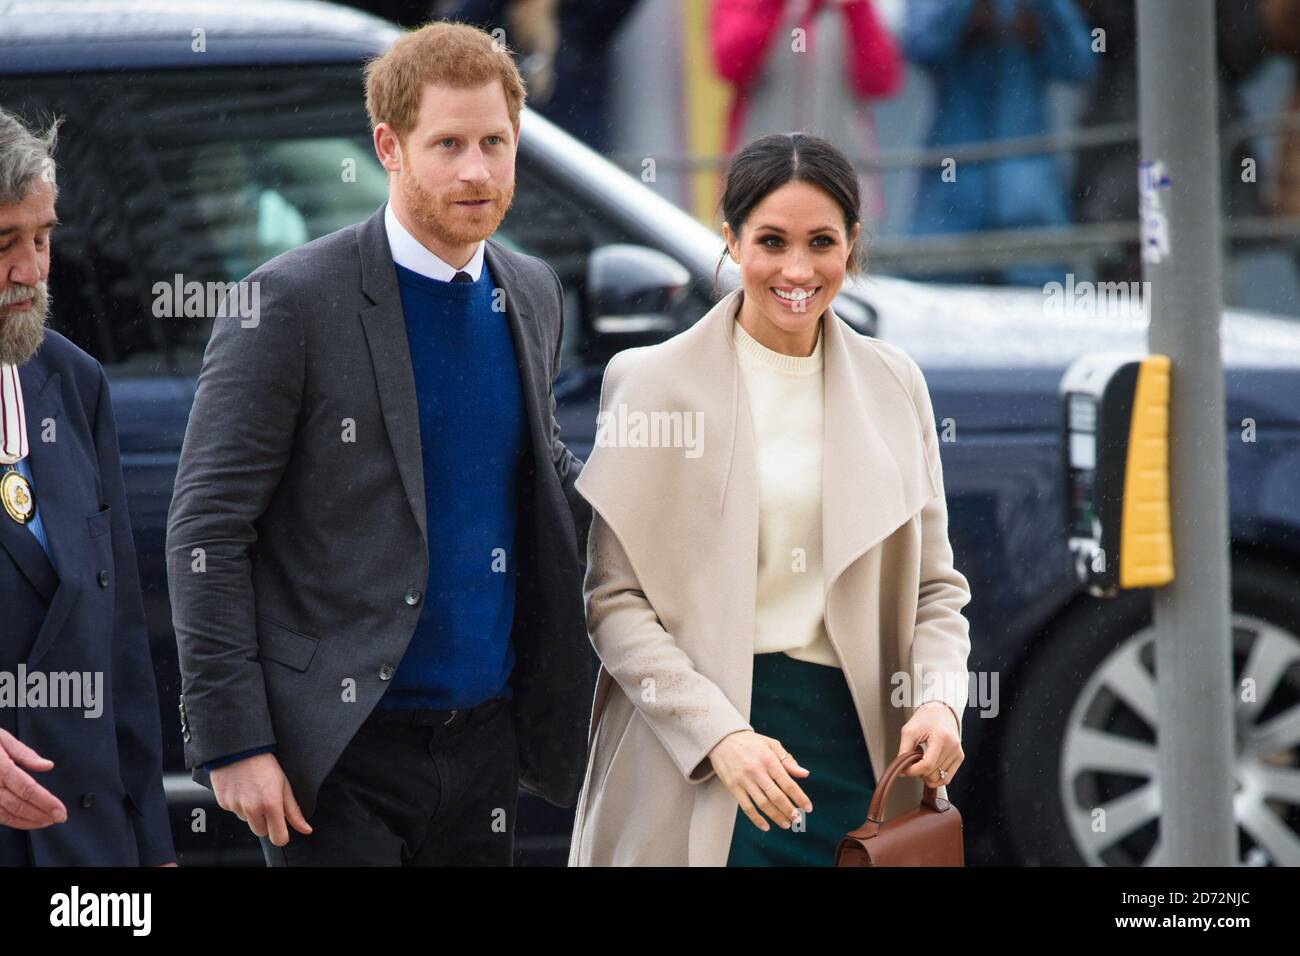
x: 896, y: 766
x: 929, y: 835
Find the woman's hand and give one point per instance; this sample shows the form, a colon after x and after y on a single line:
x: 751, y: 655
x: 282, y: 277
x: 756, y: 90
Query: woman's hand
x: 757, y: 770
x: 934, y: 726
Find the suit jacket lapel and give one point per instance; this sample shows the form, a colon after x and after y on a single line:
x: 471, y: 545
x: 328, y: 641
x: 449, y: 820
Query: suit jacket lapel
x: 529, y: 354
x: 28, y: 555
x: 61, y: 515
x: 15, y: 538
x: 385, y: 327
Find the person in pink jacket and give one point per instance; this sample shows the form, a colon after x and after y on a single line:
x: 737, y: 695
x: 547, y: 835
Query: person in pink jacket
x: 818, y: 81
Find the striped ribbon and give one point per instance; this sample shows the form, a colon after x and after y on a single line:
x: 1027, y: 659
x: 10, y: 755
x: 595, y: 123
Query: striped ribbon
x: 13, y: 423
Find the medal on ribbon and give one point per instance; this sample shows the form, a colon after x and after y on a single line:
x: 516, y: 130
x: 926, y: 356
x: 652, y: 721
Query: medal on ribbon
x: 17, y: 497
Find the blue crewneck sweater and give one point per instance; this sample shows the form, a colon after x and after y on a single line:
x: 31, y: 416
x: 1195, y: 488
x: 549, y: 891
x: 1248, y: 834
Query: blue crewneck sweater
x: 473, y: 438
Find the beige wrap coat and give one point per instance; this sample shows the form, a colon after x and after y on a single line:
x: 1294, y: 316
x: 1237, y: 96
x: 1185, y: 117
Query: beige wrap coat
x: 672, y: 571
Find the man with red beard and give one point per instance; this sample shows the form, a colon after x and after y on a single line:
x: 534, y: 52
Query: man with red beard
x: 373, y: 546
x: 80, y: 744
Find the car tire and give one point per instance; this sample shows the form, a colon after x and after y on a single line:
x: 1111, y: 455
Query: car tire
x: 1076, y: 739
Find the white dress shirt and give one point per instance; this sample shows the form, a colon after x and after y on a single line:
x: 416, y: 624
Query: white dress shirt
x: 410, y: 253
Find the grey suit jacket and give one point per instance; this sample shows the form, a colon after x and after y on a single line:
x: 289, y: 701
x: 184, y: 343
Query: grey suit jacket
x: 297, y: 560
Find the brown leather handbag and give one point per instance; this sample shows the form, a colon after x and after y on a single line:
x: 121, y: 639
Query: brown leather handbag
x: 930, y: 835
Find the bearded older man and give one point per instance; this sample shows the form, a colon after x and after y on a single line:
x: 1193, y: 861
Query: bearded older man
x: 80, y: 744
x: 373, y: 548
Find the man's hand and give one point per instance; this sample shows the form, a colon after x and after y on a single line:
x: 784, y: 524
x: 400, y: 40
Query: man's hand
x: 256, y: 790
x: 24, y: 803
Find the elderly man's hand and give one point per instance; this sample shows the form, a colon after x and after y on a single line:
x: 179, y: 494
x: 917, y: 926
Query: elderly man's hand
x: 24, y: 803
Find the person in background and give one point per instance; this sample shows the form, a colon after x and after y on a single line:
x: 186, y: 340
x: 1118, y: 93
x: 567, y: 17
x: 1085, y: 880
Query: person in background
x: 1281, y: 21
x: 1105, y: 183
x: 564, y: 50
x: 991, y: 62
x: 80, y: 779
x: 823, y: 84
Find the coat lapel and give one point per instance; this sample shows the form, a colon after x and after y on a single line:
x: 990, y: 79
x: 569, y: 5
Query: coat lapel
x: 529, y: 354
x: 29, y: 557
x: 385, y: 328
x: 871, y: 483
x: 61, y: 515
x: 702, y: 361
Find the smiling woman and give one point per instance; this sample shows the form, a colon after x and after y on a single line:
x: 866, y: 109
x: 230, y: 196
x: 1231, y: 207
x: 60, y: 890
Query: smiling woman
x: 792, y: 222
x: 728, y: 702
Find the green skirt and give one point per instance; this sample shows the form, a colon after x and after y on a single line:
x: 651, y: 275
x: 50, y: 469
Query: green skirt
x: 809, y: 709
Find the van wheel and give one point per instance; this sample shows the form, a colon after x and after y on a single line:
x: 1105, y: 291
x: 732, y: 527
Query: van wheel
x: 1082, y: 730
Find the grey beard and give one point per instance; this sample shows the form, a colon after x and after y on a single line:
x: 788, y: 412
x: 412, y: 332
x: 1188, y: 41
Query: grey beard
x: 21, y: 334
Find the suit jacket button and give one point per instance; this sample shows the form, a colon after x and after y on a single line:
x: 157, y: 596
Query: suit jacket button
x: 386, y: 672
x: 87, y: 799
x: 103, y: 579
x: 413, y: 597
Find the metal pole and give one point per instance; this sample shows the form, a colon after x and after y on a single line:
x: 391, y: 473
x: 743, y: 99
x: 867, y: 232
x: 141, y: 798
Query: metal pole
x: 1182, y: 261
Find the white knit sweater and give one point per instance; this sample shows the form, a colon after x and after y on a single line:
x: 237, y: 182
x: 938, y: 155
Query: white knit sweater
x: 786, y: 399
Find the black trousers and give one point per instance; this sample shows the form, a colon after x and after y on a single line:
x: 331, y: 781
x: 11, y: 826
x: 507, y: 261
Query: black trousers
x: 416, y: 788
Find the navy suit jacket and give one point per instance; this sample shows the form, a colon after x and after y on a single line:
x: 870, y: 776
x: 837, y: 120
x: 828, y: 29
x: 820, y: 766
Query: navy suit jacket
x: 86, y: 616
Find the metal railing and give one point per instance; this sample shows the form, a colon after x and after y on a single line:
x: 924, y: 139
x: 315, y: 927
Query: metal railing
x: 1082, y: 246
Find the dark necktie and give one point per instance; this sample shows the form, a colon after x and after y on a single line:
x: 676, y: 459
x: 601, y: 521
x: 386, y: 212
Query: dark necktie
x: 461, y: 277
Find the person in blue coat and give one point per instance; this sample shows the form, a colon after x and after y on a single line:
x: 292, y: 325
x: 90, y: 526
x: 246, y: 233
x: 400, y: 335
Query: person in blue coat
x: 80, y: 741
x: 991, y: 62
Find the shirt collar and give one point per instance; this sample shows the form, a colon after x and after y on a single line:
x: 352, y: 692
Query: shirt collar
x: 410, y: 253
